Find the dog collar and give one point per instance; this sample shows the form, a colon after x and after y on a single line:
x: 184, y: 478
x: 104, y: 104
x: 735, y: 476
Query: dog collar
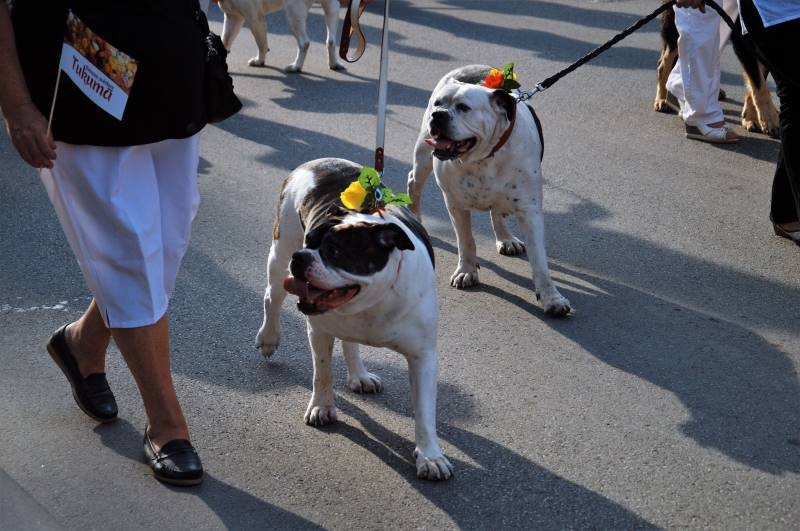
x: 506, y: 134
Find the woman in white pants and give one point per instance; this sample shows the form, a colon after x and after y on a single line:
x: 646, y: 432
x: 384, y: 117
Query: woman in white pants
x: 695, y: 79
x: 125, y: 192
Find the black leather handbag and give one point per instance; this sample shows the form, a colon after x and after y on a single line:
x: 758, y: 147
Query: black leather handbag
x: 221, y: 101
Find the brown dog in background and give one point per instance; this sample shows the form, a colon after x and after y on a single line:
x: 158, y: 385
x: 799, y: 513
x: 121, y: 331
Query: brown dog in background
x: 758, y: 112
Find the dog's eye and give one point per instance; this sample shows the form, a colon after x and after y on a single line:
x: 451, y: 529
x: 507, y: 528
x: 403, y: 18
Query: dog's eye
x: 437, y: 103
x: 463, y: 107
x: 334, y: 251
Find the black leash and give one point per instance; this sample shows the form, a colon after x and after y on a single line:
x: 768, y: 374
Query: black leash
x: 547, y: 83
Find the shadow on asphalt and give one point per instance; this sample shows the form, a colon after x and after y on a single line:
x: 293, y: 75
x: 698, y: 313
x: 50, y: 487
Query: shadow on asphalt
x: 501, y: 490
x: 741, y: 392
x: 235, y: 508
x: 550, y: 45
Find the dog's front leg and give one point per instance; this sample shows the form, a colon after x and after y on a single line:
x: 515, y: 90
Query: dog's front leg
x: 258, y: 27
x: 321, y: 409
x: 532, y: 225
x: 420, y: 171
x: 422, y: 373
x: 466, y: 274
x: 359, y: 380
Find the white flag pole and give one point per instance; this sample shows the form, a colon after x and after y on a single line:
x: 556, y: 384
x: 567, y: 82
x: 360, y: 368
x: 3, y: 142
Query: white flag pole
x: 53, y: 105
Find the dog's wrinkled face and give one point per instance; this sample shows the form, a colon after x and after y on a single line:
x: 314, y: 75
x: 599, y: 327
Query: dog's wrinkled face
x: 466, y: 120
x: 345, y: 259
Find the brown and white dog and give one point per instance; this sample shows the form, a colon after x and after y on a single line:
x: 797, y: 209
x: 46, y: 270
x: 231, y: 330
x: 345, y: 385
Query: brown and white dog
x: 364, y: 279
x: 255, y: 13
x: 758, y: 112
x: 486, y: 152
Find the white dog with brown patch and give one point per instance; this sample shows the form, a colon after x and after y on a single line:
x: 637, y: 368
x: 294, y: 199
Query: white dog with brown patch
x: 487, y: 149
x: 363, y: 278
x: 255, y: 12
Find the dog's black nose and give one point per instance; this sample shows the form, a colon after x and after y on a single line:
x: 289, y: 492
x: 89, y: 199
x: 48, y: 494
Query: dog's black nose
x: 439, y: 117
x: 299, y: 264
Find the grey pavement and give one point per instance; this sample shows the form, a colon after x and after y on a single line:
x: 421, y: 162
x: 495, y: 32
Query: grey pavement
x: 669, y: 399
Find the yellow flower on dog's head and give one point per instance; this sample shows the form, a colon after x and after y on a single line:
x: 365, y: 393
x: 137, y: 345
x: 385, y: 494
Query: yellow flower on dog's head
x: 354, y: 196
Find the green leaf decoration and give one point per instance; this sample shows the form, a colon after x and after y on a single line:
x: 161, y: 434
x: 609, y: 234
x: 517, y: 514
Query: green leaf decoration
x: 369, y: 178
x: 378, y: 194
x: 399, y: 200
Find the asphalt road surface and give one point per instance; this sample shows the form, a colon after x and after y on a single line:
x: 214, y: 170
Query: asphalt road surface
x: 668, y: 399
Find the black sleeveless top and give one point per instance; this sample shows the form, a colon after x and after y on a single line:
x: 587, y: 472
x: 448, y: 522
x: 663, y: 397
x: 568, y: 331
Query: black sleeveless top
x: 166, y: 99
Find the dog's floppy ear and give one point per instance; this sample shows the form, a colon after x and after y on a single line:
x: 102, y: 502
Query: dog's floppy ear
x: 390, y: 236
x: 505, y: 101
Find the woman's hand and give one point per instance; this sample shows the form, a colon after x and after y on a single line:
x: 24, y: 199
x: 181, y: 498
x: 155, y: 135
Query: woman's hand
x: 28, y: 131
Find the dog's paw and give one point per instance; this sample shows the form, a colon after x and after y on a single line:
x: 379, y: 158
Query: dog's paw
x: 337, y: 67
x: 256, y: 61
x: 557, y: 306
x: 661, y: 105
x: 464, y: 278
x: 267, y: 345
x: 365, y: 383
x: 292, y: 68
x: 512, y: 247
x: 433, y: 468
x: 770, y: 124
x: 320, y: 415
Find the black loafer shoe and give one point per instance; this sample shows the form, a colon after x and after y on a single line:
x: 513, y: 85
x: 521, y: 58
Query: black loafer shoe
x: 92, y: 393
x: 176, y: 463
x: 783, y: 233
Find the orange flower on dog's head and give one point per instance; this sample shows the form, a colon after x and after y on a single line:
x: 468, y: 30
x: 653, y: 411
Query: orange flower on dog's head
x: 505, y: 79
x: 495, y: 79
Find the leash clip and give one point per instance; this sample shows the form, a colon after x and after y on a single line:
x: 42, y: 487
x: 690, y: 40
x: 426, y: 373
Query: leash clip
x: 528, y: 94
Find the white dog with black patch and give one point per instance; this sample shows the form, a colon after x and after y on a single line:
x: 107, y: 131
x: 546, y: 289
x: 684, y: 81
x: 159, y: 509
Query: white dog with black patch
x: 363, y: 278
x: 255, y: 12
x: 487, y: 149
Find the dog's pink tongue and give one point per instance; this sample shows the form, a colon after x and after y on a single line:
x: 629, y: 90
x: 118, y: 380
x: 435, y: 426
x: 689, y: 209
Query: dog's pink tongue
x: 438, y: 144
x: 296, y: 287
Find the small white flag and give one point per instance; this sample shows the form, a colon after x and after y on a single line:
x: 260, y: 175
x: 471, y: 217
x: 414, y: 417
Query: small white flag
x: 103, y: 73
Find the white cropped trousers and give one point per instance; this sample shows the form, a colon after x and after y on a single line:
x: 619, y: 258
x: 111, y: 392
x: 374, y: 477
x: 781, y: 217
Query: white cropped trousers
x: 695, y: 79
x: 127, y: 214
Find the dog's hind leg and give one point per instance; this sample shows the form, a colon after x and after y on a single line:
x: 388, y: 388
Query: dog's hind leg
x: 269, y: 335
x: 331, y: 10
x: 505, y: 242
x: 420, y: 171
x: 758, y: 112
x: 231, y: 25
x: 287, y: 237
x: 532, y: 227
x: 296, y: 16
x: 321, y: 409
x: 359, y: 380
x: 667, y: 60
